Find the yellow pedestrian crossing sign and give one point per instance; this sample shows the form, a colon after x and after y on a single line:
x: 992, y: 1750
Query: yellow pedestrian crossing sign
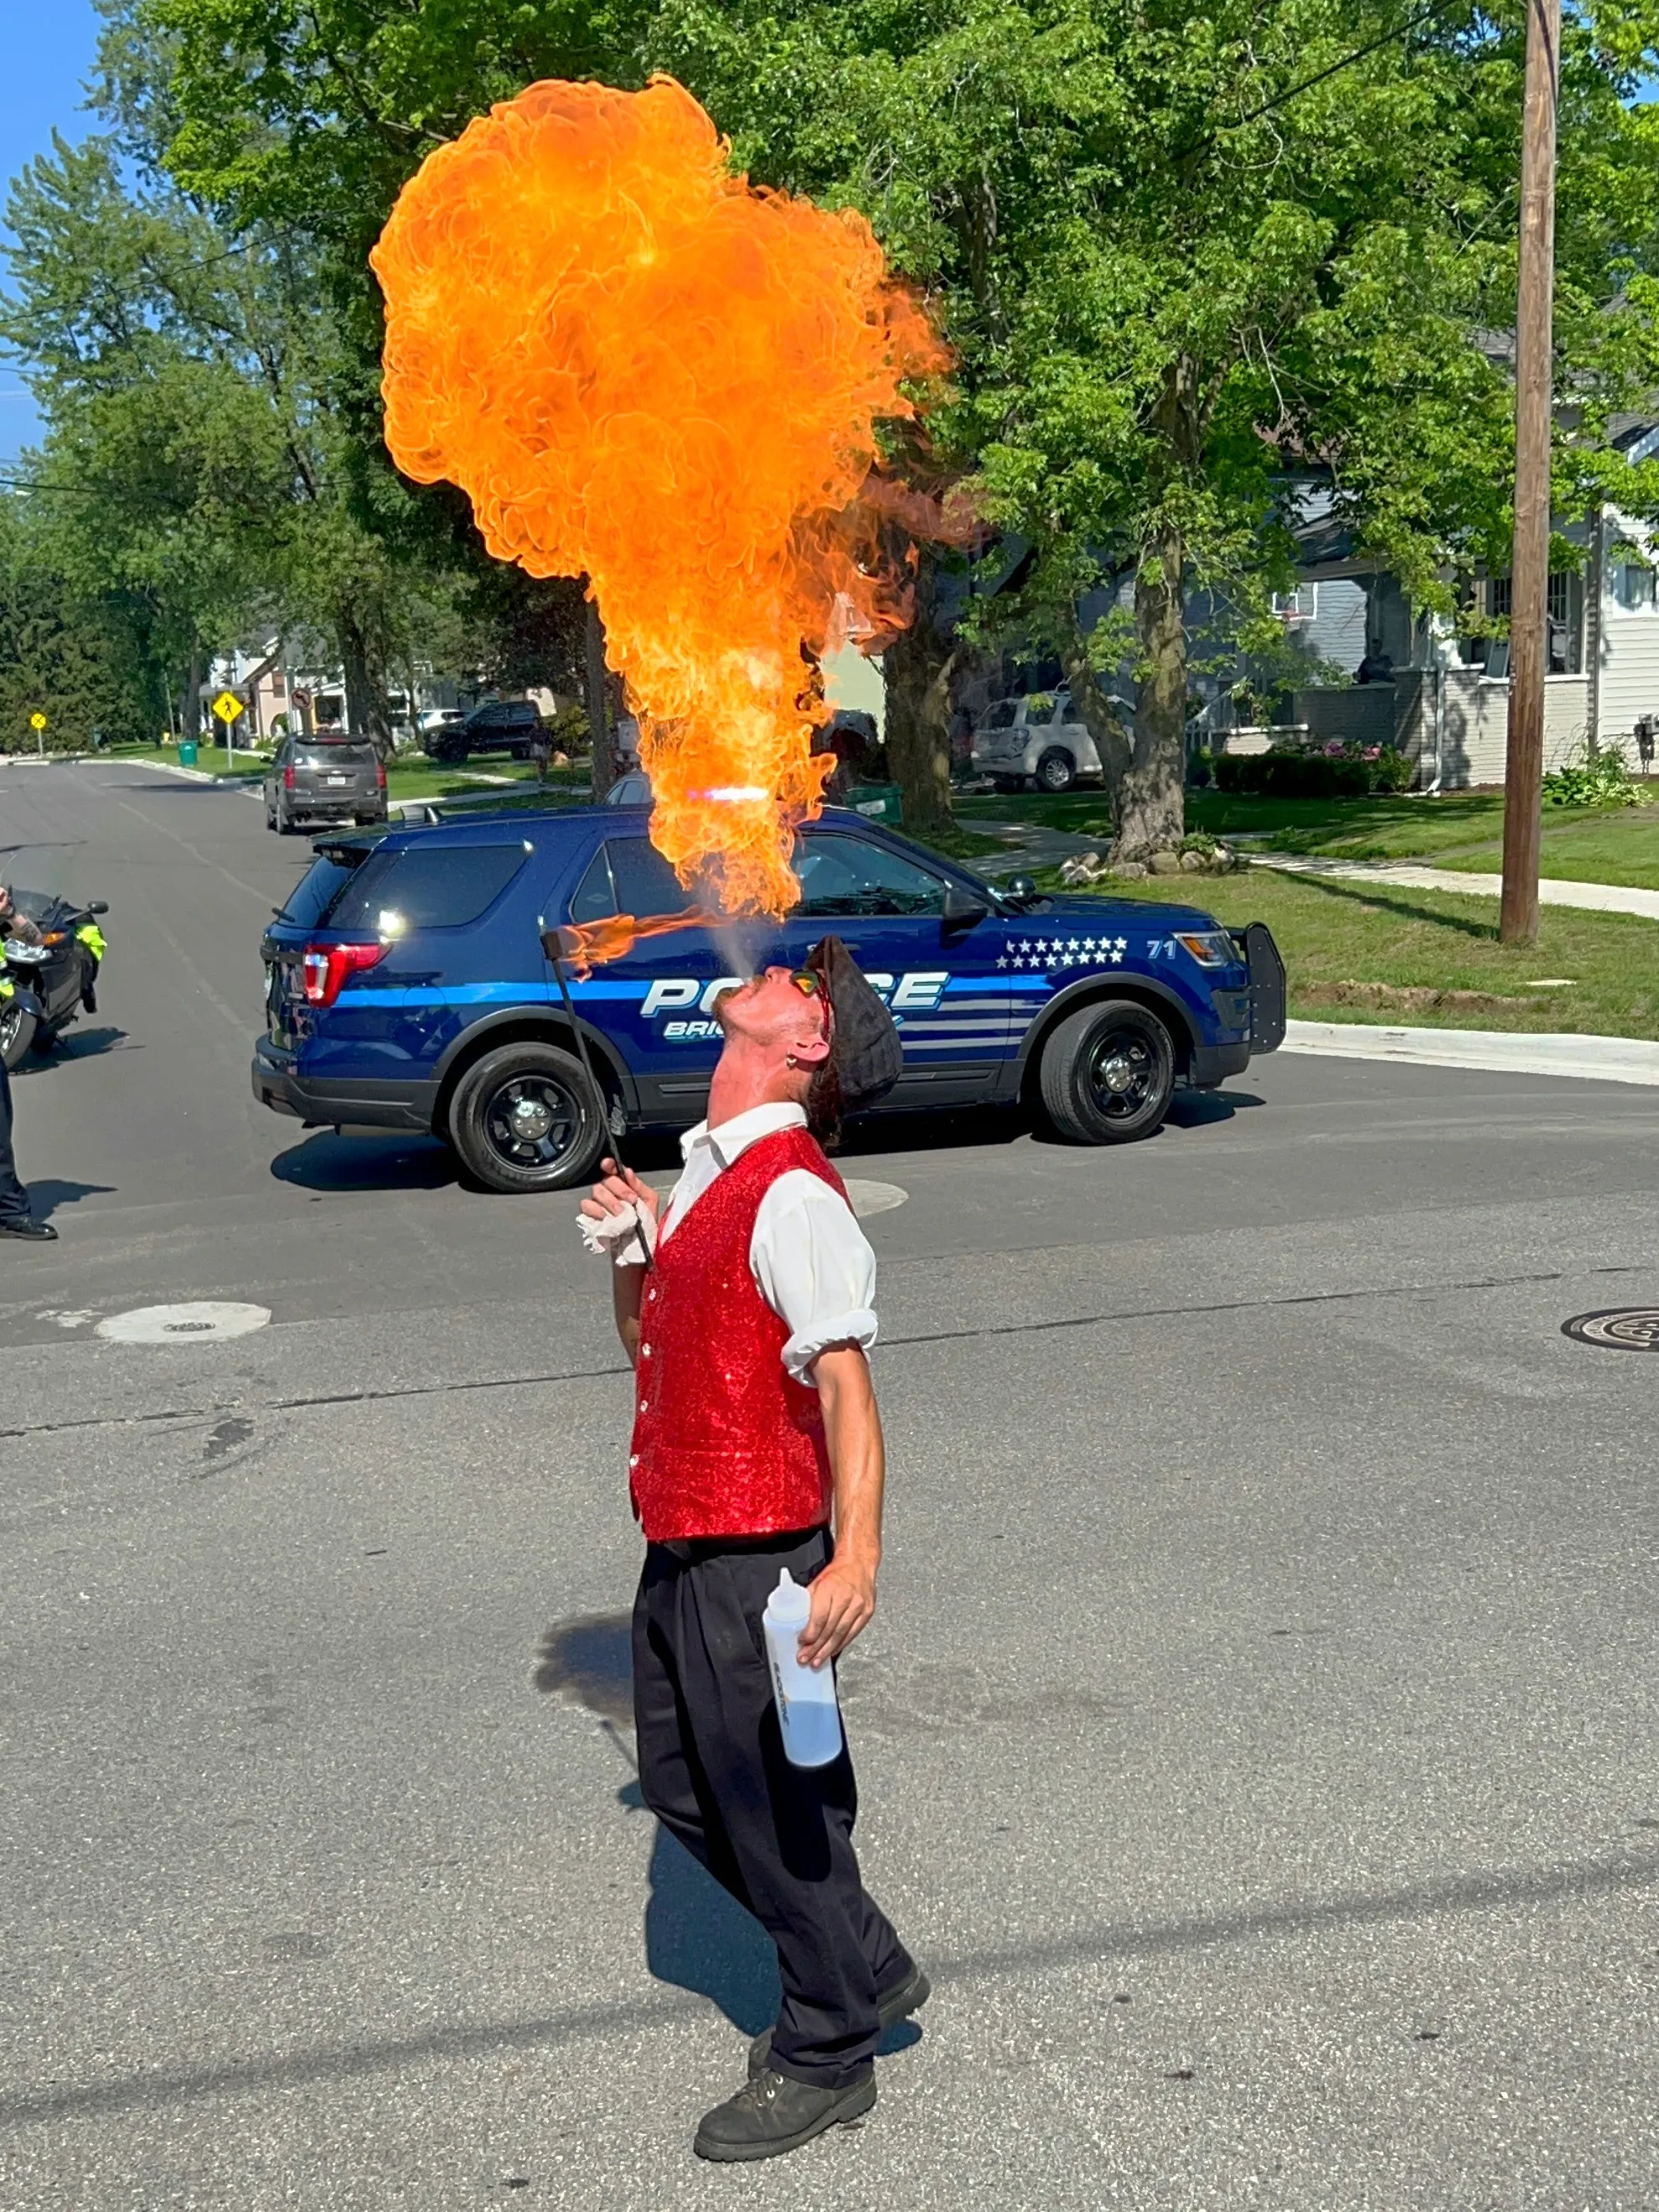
x: 37, y: 721
x: 227, y: 707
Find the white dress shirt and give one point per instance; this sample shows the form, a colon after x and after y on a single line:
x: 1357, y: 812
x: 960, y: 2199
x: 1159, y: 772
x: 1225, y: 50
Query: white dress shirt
x: 811, y: 1263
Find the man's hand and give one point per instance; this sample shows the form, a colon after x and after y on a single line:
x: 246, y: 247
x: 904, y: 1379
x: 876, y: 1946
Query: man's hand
x: 612, y: 1194
x: 843, y: 1603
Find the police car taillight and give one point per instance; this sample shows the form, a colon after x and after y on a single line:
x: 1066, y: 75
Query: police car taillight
x: 325, y: 967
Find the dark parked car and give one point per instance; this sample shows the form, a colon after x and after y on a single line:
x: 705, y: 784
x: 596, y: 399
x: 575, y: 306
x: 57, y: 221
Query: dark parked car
x: 328, y: 778
x: 497, y: 726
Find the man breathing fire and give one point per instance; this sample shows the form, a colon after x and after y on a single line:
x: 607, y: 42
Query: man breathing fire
x: 747, y: 1310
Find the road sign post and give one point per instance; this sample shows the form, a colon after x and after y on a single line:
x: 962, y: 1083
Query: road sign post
x: 227, y: 707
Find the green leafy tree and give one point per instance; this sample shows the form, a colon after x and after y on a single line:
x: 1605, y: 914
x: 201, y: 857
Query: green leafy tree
x: 62, y: 653
x: 1194, y: 263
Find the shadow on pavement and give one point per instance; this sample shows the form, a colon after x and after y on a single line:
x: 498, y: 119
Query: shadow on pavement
x: 698, y: 1938
x: 328, y: 1162
x: 590, y: 1659
x: 47, y: 1196
x: 1196, y: 1109
x: 78, y: 1044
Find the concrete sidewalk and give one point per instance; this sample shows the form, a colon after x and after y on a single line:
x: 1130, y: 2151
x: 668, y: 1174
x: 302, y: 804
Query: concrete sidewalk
x: 1553, y: 891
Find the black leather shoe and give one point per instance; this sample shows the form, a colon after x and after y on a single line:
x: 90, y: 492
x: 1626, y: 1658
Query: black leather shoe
x: 25, y: 1225
x: 906, y: 1997
x: 773, y: 2113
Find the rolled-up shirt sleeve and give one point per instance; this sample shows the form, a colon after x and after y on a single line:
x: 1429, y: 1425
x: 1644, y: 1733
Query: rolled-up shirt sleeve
x: 813, y: 1266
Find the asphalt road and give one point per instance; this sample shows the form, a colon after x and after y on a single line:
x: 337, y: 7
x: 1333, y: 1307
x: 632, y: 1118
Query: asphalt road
x: 1257, y: 1739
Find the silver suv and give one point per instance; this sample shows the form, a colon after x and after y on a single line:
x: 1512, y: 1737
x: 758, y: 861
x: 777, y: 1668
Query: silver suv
x: 1036, y: 740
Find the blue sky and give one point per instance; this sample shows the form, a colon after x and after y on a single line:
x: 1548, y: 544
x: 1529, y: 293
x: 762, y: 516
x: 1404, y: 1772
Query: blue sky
x: 48, y: 47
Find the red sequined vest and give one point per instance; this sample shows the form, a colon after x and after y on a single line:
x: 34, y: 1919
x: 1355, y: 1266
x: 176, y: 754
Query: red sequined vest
x: 726, y: 1442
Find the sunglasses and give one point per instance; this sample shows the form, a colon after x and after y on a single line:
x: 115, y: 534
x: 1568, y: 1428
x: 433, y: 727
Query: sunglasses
x: 809, y: 981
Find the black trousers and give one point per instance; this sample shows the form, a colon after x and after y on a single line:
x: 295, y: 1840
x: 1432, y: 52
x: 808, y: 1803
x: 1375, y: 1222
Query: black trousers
x: 779, y: 1838
x: 14, y: 1198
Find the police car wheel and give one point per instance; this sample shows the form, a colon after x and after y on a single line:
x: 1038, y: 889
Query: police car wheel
x: 1055, y: 772
x: 1107, y: 1074
x: 524, y: 1119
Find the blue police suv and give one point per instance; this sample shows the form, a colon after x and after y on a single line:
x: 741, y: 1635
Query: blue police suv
x: 407, y: 989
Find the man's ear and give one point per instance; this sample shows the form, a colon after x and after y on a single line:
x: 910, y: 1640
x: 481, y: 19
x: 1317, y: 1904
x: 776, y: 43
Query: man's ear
x: 810, y: 1051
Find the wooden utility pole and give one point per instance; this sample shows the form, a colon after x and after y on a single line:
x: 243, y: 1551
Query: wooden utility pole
x: 1530, y: 582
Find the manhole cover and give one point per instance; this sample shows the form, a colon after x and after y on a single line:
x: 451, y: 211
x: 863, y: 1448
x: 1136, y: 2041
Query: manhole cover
x: 201, y: 1321
x: 1621, y: 1328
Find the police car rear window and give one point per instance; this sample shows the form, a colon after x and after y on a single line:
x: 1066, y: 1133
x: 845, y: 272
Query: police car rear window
x: 436, y: 887
x: 628, y: 875
x: 316, y: 891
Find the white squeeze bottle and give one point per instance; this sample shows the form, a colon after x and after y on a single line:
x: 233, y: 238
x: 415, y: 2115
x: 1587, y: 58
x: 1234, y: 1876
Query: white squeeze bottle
x: 805, y: 1696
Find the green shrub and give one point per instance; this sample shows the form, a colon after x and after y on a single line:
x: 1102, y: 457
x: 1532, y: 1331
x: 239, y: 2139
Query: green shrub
x: 1333, y: 770
x: 1601, y: 779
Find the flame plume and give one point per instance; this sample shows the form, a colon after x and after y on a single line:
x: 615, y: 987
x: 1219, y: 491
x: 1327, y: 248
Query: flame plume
x: 641, y: 368
x: 588, y: 944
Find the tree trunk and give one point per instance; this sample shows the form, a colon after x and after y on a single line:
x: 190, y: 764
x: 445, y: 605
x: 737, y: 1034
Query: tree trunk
x: 598, y: 725
x: 191, y: 722
x: 1100, y: 716
x: 368, y: 712
x: 916, y: 669
x: 1149, y: 803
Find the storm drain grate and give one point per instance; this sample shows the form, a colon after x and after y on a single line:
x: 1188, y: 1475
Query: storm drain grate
x: 1621, y: 1328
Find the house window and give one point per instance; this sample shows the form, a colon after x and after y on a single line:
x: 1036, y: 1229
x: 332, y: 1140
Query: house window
x: 1565, y: 622
x: 1632, y: 584
x: 1297, y: 606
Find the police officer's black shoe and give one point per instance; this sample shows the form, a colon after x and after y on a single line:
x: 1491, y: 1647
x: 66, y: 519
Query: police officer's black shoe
x: 901, y: 2001
x: 25, y: 1225
x: 773, y: 2113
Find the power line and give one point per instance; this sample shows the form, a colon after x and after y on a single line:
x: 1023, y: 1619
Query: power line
x: 1293, y: 91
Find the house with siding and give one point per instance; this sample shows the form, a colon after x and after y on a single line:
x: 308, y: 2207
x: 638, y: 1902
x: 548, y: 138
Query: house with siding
x: 1444, y: 699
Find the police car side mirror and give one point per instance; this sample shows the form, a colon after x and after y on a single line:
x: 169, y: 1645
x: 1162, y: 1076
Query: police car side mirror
x: 962, y: 910
x: 1020, y: 890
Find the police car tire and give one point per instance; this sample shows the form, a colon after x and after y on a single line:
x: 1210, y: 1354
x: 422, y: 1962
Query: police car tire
x: 1063, y: 1074
x: 471, y: 1103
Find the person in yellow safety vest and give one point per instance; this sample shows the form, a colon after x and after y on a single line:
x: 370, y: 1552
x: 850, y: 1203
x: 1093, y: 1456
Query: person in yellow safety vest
x: 16, y: 1214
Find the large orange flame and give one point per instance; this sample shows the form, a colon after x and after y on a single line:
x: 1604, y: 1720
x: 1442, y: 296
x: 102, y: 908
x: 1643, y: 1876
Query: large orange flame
x: 588, y: 944
x: 642, y: 369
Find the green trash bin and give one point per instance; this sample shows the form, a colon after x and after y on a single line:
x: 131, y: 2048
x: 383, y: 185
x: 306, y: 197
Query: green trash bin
x: 186, y: 752
x: 877, y: 802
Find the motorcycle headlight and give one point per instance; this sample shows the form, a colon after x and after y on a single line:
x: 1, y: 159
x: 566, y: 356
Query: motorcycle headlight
x: 24, y: 955
x: 1211, y: 948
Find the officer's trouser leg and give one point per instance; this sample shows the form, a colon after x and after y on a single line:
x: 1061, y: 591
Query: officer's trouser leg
x: 14, y: 1198
x: 779, y: 1838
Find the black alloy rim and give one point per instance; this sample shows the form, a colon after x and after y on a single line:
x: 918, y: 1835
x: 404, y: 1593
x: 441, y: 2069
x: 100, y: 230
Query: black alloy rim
x: 532, y: 1122
x: 1121, y: 1074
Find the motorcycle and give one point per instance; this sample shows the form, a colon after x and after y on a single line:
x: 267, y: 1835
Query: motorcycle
x: 43, y: 987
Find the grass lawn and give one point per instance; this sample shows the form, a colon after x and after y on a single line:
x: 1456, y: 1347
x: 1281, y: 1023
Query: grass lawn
x: 1462, y: 830
x: 1334, y: 931
x: 210, y: 759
